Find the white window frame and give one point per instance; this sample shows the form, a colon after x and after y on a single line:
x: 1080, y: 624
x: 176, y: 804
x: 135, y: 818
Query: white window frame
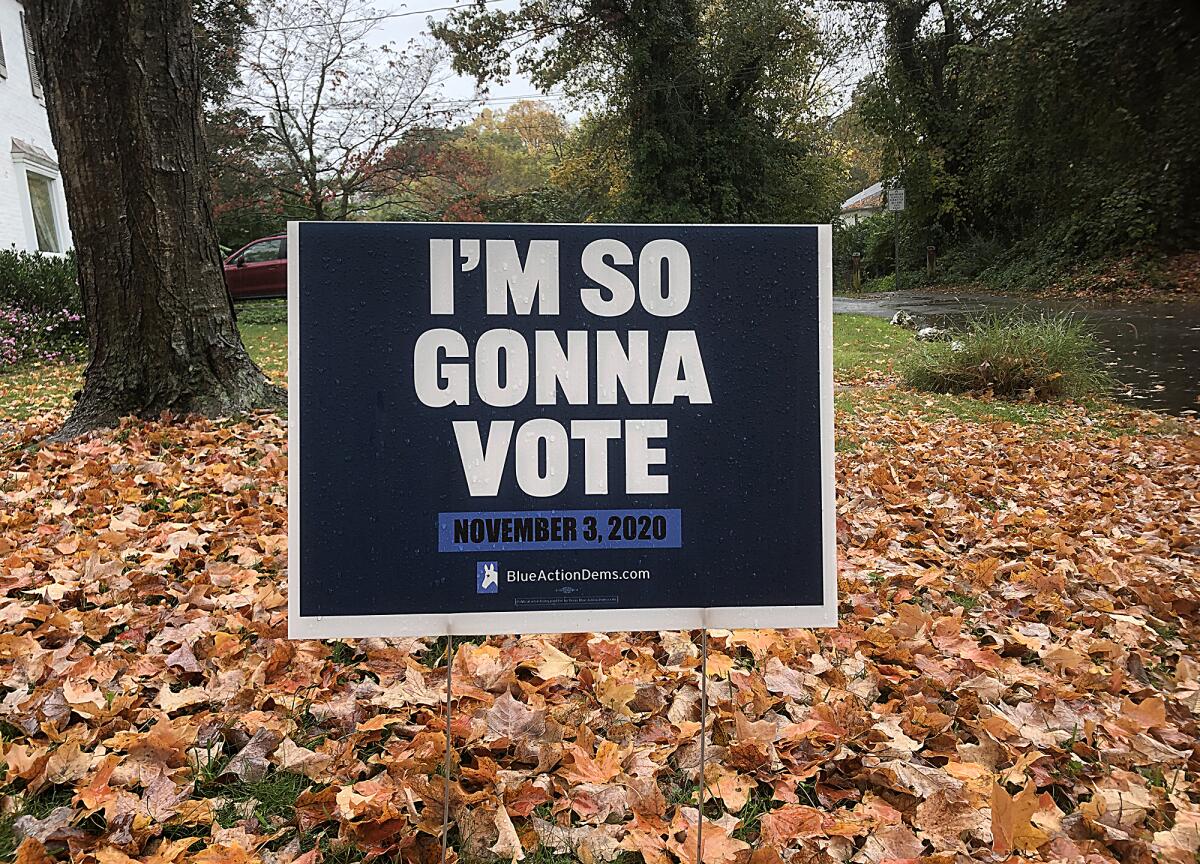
x: 24, y: 167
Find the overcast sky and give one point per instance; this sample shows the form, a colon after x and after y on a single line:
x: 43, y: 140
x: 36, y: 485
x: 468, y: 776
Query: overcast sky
x: 408, y: 20
x: 405, y: 26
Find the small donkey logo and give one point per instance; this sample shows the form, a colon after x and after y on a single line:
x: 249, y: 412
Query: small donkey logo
x: 487, y: 577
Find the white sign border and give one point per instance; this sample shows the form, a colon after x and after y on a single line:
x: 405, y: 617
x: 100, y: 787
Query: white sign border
x: 580, y: 620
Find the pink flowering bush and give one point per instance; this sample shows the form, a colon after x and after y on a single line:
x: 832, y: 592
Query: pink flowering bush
x: 32, y: 334
x: 40, y: 309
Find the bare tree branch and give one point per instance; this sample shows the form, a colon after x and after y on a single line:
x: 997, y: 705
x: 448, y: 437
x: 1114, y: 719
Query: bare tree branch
x: 335, y: 104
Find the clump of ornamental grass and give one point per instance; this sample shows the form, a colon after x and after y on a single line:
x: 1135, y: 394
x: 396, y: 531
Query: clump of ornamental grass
x: 1011, y: 356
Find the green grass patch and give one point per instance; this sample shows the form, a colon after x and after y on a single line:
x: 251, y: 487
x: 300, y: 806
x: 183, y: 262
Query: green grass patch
x: 932, y: 406
x: 1060, y: 419
x: 271, y: 800
x: 37, y: 388
x: 757, y: 806
x: 862, y: 344
x: 1042, y: 358
x: 272, y: 311
x: 267, y: 344
x: 967, y: 601
x: 41, y: 387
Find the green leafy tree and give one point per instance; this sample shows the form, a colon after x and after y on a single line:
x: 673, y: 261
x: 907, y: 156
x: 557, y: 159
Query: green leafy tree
x: 1064, y: 132
x: 706, y: 96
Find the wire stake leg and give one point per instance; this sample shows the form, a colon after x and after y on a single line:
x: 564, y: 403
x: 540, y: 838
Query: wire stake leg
x: 446, y: 764
x: 703, y: 735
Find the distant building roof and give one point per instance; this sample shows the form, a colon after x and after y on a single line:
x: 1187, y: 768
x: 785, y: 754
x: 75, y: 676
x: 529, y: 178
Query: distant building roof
x: 867, y: 199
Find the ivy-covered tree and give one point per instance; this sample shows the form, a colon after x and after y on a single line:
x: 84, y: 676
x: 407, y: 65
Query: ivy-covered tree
x: 1068, y: 129
x: 708, y: 96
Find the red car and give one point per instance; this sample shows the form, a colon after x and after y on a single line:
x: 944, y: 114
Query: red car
x: 258, y: 269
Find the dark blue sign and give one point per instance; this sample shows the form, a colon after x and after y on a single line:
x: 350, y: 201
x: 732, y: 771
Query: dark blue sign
x: 540, y: 428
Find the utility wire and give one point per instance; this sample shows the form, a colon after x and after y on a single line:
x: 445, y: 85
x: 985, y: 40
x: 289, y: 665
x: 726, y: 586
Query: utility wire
x: 371, y: 18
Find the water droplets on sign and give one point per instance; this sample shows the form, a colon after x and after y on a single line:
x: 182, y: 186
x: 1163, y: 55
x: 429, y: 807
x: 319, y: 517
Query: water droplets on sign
x: 588, y: 443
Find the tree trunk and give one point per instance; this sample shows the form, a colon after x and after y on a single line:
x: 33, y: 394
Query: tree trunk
x: 122, y: 90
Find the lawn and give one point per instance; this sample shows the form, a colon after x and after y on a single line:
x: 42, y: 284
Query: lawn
x: 1015, y: 670
x: 44, y: 387
x: 865, y: 352
x: 864, y: 346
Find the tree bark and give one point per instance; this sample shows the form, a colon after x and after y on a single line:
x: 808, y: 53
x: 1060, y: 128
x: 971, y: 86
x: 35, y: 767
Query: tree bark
x: 122, y: 88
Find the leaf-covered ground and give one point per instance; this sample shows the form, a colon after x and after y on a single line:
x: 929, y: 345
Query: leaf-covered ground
x: 1016, y: 674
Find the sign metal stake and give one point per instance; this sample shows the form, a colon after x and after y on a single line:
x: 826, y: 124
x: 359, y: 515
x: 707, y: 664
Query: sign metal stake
x: 703, y: 735
x: 446, y: 765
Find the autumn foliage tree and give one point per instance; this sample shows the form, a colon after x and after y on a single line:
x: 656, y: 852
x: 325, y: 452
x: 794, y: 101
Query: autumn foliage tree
x: 497, y: 167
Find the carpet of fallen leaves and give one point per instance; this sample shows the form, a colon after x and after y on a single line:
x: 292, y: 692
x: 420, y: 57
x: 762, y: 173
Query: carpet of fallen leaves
x: 1016, y: 674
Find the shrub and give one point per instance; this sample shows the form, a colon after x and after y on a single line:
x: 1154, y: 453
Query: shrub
x: 40, y: 309
x: 968, y: 259
x: 870, y: 238
x: 39, y: 282
x: 1047, y: 357
x: 27, y: 335
x: 883, y: 284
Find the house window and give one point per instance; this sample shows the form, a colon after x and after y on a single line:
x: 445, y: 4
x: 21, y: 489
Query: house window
x: 41, y: 202
x: 35, y: 78
x: 3, y: 67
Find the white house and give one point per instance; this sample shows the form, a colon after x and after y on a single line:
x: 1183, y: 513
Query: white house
x: 33, y: 211
x: 864, y: 205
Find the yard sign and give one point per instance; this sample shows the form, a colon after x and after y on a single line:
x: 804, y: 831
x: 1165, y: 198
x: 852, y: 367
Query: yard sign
x: 555, y: 428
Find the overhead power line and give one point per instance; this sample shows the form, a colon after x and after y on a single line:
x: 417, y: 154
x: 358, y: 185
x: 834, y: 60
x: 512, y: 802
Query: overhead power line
x: 371, y: 18
x: 468, y: 101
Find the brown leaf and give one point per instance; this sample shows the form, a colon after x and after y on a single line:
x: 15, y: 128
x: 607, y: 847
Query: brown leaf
x: 31, y: 851
x: 718, y: 846
x: 598, y: 844
x: 289, y: 756
x: 508, y: 845
x: 1012, y: 826
x: 601, y: 768
x: 790, y: 822
x: 947, y: 816
x: 615, y: 695
x: 251, y: 763
x: 411, y: 691
x: 183, y: 659
x: 553, y: 663
x: 508, y: 718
